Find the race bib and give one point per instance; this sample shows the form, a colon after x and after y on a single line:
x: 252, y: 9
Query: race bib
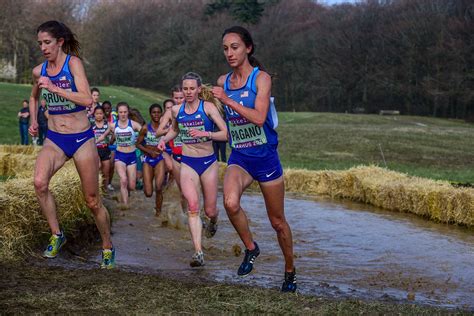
x: 55, y: 102
x: 245, y: 134
x: 184, y: 128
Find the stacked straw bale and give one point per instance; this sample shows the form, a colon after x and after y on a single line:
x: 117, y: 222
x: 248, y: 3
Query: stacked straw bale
x: 22, y: 225
x: 12, y: 164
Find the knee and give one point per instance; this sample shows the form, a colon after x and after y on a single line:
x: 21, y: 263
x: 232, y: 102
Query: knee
x: 41, y: 185
x: 93, y: 203
x: 123, y: 182
x: 148, y: 192
x: 278, y: 224
x: 193, y: 207
x: 231, y: 205
x: 211, y: 212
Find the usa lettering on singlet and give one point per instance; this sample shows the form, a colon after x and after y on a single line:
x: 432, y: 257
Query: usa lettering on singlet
x: 64, y: 80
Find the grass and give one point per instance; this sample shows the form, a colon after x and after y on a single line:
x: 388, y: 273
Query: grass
x: 422, y: 146
x: 34, y: 289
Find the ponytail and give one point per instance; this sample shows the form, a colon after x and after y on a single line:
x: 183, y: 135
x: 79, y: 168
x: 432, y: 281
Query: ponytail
x: 207, y: 95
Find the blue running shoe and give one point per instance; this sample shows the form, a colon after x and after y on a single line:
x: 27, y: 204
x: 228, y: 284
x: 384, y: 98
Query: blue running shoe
x: 247, y: 265
x: 55, y: 243
x: 289, y: 285
x: 108, y: 258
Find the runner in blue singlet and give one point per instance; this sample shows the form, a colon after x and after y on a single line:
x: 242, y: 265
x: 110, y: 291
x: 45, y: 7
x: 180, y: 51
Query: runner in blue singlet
x: 251, y: 121
x: 63, y: 83
x: 194, y: 121
x: 153, y: 166
x: 125, y: 156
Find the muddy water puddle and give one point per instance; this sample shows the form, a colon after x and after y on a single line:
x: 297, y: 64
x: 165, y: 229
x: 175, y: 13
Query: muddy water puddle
x: 342, y: 249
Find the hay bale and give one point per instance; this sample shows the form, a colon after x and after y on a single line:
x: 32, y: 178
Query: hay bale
x: 21, y: 223
x: 435, y: 200
x: 19, y: 149
x: 13, y: 163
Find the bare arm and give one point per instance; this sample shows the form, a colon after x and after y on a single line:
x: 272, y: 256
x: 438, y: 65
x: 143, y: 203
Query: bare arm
x: 33, y: 104
x: 172, y: 132
x: 257, y: 115
x: 136, y: 126
x: 162, y: 128
x: 103, y: 136
x: 83, y: 95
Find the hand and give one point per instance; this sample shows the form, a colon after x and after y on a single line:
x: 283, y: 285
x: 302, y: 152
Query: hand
x: 195, y: 133
x: 220, y: 94
x: 161, y: 146
x: 45, y: 83
x: 33, y: 129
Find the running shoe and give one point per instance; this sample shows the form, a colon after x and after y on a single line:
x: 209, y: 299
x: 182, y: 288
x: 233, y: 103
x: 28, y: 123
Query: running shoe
x: 55, y: 243
x: 247, y: 265
x: 211, y: 228
x: 110, y: 187
x: 108, y: 258
x: 197, y: 260
x: 289, y: 285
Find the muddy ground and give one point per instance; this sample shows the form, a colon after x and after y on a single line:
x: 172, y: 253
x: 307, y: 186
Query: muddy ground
x: 153, y: 274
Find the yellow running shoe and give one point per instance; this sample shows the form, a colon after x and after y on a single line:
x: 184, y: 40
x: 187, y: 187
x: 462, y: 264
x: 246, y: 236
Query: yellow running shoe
x: 55, y: 243
x: 108, y: 259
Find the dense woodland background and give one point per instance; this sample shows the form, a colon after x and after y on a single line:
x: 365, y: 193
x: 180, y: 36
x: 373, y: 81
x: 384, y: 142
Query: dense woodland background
x: 415, y: 56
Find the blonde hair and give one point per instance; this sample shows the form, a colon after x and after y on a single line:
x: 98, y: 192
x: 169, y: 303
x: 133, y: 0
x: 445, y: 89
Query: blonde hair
x: 206, y: 95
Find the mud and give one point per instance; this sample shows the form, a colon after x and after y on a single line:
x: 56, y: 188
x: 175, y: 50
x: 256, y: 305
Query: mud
x: 342, y: 250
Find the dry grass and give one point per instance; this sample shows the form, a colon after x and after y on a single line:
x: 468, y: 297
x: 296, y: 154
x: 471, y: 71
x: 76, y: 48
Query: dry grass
x: 21, y: 223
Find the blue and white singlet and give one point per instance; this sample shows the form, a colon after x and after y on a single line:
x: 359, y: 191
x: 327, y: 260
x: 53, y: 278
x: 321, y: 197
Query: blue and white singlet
x: 124, y: 137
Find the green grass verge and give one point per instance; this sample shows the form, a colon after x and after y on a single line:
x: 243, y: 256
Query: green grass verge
x: 421, y: 146
x: 30, y: 289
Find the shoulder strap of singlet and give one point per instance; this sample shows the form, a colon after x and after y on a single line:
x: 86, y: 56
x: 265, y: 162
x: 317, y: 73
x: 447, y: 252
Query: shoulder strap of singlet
x: 130, y: 123
x: 44, y: 73
x: 150, y: 128
x: 181, y: 108
x: 66, y: 64
x: 201, y: 106
x: 226, y: 82
x: 251, y: 82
